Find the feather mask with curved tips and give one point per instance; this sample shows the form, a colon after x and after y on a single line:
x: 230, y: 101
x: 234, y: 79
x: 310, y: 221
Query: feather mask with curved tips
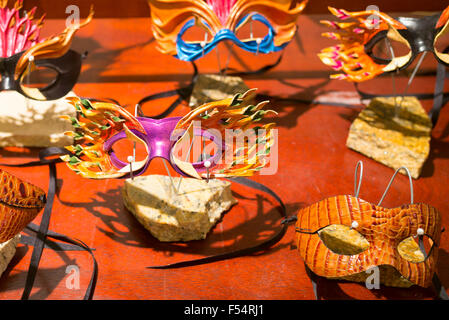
x: 359, y: 33
x: 100, y: 125
x: 23, y: 51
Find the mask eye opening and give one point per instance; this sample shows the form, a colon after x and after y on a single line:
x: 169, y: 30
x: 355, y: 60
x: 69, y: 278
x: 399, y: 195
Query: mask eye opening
x: 343, y: 240
x: 251, y: 28
x: 196, y: 31
x: 441, y: 44
x: 416, y: 249
x: 372, y: 46
x: 197, y: 149
x: 121, y: 149
x: 35, y: 82
x: 41, y: 69
x: 386, y: 47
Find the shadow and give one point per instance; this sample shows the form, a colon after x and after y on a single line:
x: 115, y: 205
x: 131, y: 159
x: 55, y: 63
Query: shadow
x: 412, y: 293
x: 330, y: 289
x: 124, y: 228
x: 438, y: 149
x: 21, y: 252
x: 28, y: 123
x: 51, y: 277
x: 98, y: 60
x: 442, y: 267
x: 19, y: 152
x: 388, y: 120
x: 351, y: 116
x: 445, y: 132
x: 112, y: 200
x: 233, y: 53
x: 290, y: 108
x: 299, y: 43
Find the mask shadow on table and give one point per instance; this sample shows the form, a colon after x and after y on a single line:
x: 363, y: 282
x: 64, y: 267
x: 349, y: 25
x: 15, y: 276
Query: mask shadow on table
x: 47, y: 279
x: 121, y: 226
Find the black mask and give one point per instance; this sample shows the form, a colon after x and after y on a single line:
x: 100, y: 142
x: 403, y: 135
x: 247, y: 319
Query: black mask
x: 67, y: 67
x: 361, y: 33
x: 420, y: 35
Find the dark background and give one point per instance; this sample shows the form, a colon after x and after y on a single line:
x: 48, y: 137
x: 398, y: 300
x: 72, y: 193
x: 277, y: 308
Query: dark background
x: 140, y: 8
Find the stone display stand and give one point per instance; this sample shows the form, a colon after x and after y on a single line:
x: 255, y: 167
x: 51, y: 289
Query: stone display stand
x: 395, y: 135
x: 213, y: 87
x: 183, y: 216
x: 7, y: 252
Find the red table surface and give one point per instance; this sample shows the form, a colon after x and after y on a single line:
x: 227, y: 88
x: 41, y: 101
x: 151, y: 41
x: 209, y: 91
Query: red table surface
x: 314, y: 163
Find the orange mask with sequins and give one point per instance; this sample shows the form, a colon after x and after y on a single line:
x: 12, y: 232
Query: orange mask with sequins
x: 359, y: 34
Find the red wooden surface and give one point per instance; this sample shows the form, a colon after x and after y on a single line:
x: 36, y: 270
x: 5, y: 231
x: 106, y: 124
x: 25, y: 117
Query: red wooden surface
x: 313, y: 164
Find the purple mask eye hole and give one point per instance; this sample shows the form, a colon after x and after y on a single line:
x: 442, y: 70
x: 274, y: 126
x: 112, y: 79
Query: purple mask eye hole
x: 203, y: 152
x: 120, y: 149
x: 188, y: 156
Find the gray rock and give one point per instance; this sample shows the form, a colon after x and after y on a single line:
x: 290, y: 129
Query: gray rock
x: 7, y: 251
x: 214, y: 87
x: 169, y: 216
x: 394, y: 135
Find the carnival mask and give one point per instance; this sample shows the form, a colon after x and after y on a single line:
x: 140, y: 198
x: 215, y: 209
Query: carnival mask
x: 343, y: 237
x: 100, y: 125
x: 20, y: 202
x: 362, y: 31
x: 221, y: 19
x: 23, y: 52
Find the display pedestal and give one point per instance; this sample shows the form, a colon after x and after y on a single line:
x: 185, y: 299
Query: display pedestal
x: 395, y: 136
x: 31, y: 123
x: 169, y: 216
x: 214, y: 87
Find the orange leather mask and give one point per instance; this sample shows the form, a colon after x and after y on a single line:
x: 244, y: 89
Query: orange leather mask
x: 20, y: 202
x: 384, y: 231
